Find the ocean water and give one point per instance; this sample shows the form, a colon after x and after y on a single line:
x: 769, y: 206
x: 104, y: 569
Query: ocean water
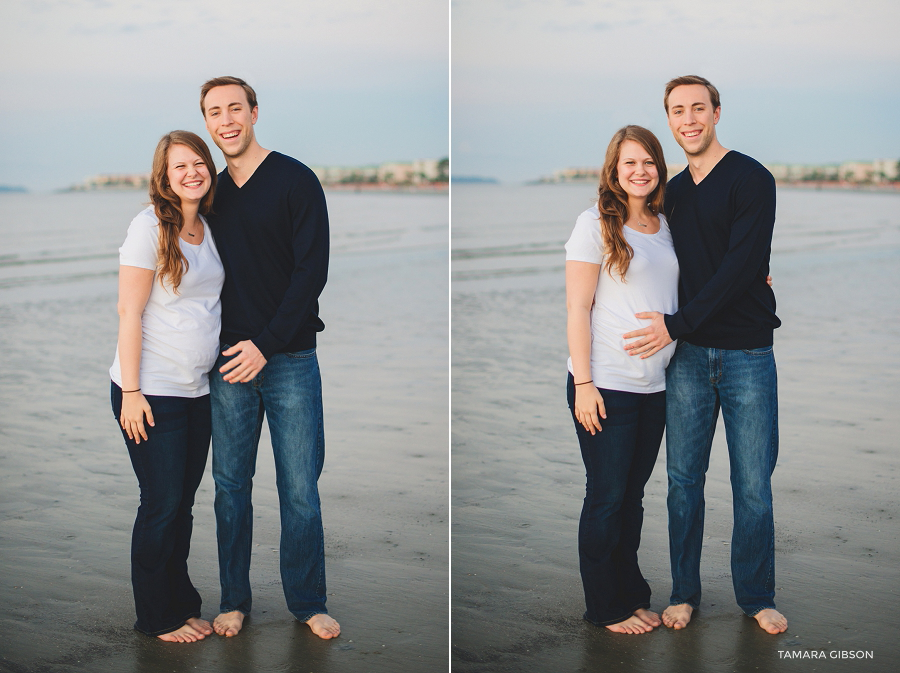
x: 68, y: 493
x: 518, y: 232
x: 66, y: 244
x: 518, y: 477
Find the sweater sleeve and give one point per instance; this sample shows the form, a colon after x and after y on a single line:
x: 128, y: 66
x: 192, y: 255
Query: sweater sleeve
x: 309, y: 240
x: 748, y: 249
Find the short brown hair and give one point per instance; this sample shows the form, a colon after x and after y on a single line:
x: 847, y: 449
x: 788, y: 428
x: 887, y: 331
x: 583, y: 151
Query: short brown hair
x: 692, y: 79
x: 226, y: 81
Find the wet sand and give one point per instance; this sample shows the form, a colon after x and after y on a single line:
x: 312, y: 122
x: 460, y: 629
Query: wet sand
x: 518, y: 481
x: 68, y: 495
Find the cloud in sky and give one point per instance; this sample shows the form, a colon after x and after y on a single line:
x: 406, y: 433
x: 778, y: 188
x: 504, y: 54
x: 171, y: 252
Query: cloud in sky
x: 542, y: 85
x: 91, y: 84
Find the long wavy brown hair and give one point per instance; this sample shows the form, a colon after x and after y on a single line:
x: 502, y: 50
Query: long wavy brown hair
x: 612, y: 201
x: 167, y: 205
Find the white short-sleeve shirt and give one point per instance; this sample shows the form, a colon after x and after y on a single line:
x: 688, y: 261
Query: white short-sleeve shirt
x: 180, y: 331
x: 651, y: 284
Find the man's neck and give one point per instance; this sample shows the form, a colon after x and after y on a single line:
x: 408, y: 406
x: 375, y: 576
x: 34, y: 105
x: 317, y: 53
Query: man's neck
x: 700, y: 165
x: 240, y: 168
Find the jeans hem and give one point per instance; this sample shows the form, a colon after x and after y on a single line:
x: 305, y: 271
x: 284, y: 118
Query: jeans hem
x: 595, y: 622
x: 756, y: 611
x: 162, y: 632
x: 306, y: 616
x: 695, y: 606
x: 223, y: 611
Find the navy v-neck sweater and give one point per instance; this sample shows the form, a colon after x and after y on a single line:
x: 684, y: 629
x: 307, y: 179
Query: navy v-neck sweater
x: 272, y: 236
x: 722, y: 231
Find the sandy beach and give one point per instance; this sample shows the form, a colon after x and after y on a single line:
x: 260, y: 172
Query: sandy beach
x: 518, y: 480
x: 68, y: 494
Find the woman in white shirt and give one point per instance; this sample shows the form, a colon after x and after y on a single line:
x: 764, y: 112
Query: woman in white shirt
x: 170, y: 277
x: 619, y: 261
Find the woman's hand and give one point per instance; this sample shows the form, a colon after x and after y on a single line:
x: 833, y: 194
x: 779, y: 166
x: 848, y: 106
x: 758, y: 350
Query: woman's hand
x: 134, y: 407
x: 589, y: 407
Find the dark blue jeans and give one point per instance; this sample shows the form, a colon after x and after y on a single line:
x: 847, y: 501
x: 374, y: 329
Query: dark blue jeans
x: 169, y: 466
x: 743, y: 383
x: 618, y: 462
x: 288, y: 391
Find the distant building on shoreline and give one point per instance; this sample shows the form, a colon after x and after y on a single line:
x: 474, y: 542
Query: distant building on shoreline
x: 113, y: 181
x: 418, y: 173
x: 412, y: 174
x: 850, y: 173
x: 878, y: 172
x: 592, y: 175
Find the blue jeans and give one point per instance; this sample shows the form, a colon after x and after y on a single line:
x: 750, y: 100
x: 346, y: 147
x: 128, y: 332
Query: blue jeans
x: 743, y: 383
x: 169, y: 466
x: 618, y: 461
x: 288, y: 391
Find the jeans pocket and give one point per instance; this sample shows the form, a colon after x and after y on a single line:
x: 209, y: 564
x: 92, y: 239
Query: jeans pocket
x: 758, y: 352
x: 301, y: 355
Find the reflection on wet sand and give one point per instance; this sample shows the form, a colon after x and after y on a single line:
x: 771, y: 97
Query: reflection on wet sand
x: 518, y: 481
x: 68, y: 494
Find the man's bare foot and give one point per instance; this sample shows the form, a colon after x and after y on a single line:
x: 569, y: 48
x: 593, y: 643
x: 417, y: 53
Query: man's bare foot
x: 186, y: 634
x: 677, y: 616
x: 200, y: 625
x: 324, y: 626
x: 648, y: 617
x: 229, y: 624
x: 771, y: 620
x: 633, y: 624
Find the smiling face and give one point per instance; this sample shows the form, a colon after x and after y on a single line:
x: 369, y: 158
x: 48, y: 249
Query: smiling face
x: 229, y: 119
x: 692, y: 118
x: 637, y: 171
x: 187, y: 174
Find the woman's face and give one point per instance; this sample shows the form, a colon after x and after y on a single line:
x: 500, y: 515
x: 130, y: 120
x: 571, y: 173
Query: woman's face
x: 187, y: 173
x: 638, y: 173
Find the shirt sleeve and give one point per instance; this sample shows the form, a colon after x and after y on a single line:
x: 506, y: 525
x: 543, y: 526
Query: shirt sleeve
x: 310, y: 243
x: 141, y: 246
x: 749, y: 246
x: 586, y: 244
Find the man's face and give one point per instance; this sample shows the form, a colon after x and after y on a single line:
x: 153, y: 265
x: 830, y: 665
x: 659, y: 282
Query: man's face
x: 229, y: 119
x: 692, y: 118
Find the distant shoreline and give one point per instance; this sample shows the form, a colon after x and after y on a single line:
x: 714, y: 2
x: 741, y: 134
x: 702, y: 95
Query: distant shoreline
x: 805, y: 185
x: 833, y: 186
x: 386, y: 187
x: 437, y: 187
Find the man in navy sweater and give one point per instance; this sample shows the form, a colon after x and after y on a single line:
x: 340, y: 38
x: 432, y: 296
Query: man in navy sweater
x: 721, y: 211
x: 270, y: 225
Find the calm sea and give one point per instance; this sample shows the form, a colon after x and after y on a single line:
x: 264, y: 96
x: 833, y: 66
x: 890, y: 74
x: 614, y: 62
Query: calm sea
x: 68, y: 492
x: 513, y: 236
x: 518, y: 477
x: 66, y: 245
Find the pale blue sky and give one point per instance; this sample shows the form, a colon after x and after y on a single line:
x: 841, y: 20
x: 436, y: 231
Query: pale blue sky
x: 89, y: 86
x: 539, y: 85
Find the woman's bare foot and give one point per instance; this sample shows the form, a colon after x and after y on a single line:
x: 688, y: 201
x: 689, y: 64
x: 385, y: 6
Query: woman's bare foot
x: 677, y: 616
x: 771, y: 620
x: 324, y: 626
x: 186, y: 634
x: 648, y: 617
x: 633, y: 624
x: 229, y: 624
x: 200, y: 625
